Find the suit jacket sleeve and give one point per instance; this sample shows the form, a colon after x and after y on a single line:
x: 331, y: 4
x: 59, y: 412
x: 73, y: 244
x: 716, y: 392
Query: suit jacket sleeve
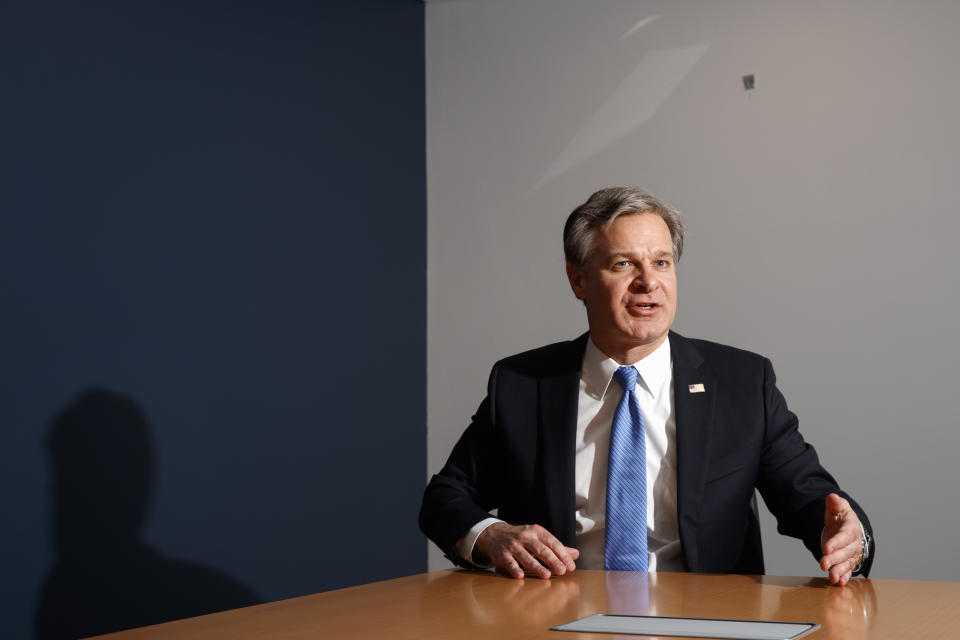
x: 791, y: 480
x: 468, y: 485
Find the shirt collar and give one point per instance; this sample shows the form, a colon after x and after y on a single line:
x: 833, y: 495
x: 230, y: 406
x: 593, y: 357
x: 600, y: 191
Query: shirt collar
x: 598, y: 369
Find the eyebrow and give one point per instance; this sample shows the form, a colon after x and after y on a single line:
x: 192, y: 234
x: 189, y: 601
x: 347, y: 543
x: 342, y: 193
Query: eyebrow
x: 626, y: 254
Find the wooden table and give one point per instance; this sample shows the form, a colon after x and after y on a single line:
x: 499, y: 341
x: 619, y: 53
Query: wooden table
x: 462, y: 604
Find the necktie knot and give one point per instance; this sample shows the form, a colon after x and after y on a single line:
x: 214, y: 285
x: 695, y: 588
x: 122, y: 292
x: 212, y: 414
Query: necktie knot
x: 627, y: 377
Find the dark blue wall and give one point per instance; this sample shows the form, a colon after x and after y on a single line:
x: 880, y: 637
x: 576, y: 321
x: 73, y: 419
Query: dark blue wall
x: 212, y: 270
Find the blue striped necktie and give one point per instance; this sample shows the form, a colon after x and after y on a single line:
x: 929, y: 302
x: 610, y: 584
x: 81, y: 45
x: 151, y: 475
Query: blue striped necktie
x: 626, y: 530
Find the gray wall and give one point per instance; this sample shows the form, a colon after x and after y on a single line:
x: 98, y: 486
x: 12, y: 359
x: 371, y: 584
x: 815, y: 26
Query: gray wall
x: 199, y: 204
x: 820, y: 208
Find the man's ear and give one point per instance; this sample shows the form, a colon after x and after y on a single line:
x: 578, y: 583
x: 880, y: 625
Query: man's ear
x: 577, y: 279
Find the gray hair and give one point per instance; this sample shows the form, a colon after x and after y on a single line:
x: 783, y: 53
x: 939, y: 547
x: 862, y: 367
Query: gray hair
x: 605, y: 206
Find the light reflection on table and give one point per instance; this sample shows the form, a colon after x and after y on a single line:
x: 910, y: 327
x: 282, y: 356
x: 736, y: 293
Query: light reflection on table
x: 488, y: 601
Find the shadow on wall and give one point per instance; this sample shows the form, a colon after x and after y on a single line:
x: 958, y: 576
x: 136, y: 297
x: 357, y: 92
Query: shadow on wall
x: 105, y: 578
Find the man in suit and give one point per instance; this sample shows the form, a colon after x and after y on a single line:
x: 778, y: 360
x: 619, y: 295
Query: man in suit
x: 708, y: 427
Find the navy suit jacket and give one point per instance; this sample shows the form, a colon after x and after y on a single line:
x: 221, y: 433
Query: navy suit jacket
x: 737, y: 435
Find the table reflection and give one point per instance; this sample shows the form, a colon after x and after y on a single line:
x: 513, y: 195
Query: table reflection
x: 844, y: 612
x: 486, y: 600
x: 491, y: 599
x: 849, y: 612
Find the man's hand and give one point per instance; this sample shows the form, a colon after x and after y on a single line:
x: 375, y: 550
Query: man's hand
x: 841, y: 541
x: 529, y: 547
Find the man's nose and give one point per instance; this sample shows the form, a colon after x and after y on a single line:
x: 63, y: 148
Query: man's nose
x: 646, y: 280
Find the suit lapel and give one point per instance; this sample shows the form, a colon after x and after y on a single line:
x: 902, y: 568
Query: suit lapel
x: 693, y: 407
x: 558, y: 397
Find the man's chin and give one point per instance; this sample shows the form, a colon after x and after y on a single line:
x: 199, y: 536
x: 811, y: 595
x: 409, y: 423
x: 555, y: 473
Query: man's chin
x: 650, y: 340
x: 645, y: 341
x: 647, y: 332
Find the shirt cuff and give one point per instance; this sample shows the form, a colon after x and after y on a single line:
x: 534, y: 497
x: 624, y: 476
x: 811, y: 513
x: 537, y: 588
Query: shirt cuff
x: 864, y: 550
x: 469, y: 540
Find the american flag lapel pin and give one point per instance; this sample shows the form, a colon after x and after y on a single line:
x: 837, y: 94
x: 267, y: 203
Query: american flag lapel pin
x: 696, y: 388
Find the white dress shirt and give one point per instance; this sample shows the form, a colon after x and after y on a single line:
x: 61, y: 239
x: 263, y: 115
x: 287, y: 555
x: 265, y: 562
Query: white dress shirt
x: 598, y: 401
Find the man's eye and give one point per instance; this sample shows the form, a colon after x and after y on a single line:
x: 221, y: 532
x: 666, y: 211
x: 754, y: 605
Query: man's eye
x: 621, y: 264
x: 661, y: 263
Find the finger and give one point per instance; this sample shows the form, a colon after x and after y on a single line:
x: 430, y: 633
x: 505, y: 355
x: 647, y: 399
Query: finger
x: 840, y: 574
x: 560, y: 552
x: 530, y: 564
x: 532, y: 549
x: 514, y: 565
x: 841, y: 555
x: 837, y: 572
x: 848, y: 574
x: 847, y: 535
x: 510, y: 567
x: 836, y: 505
x: 546, y: 556
x: 835, y: 511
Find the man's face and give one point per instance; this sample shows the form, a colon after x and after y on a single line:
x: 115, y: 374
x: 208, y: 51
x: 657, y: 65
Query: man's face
x: 629, y: 286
